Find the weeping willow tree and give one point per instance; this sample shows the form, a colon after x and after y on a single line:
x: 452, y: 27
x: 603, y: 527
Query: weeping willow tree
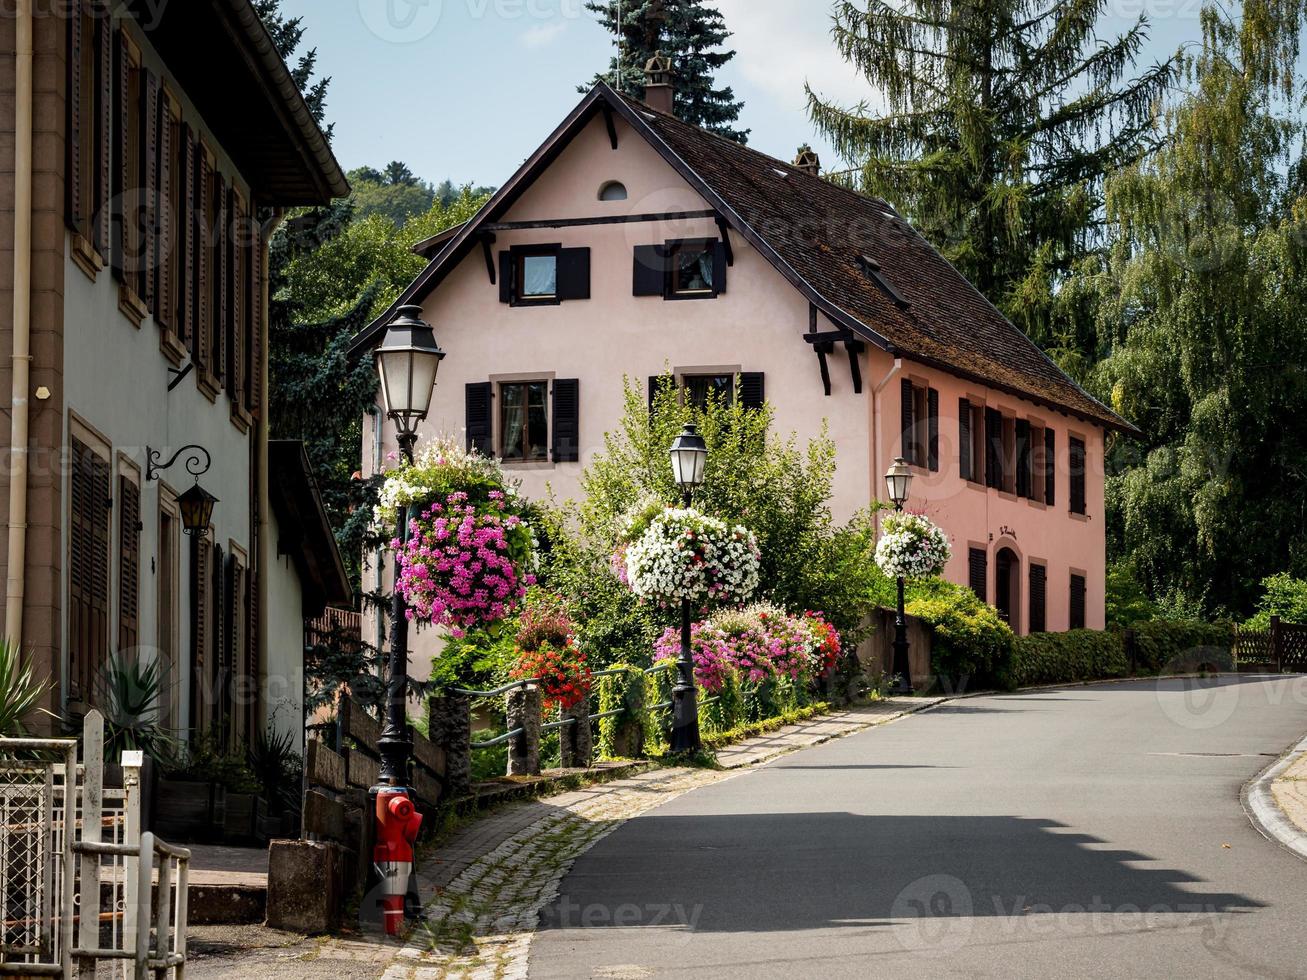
x: 1000, y: 120
x: 1201, y: 297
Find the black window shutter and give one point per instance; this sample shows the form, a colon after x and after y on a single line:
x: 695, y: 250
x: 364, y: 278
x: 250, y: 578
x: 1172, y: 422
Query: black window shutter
x: 505, y: 277
x: 573, y: 273
x: 993, y: 447
x: 122, y: 74
x: 978, y: 566
x: 719, y: 267
x: 650, y: 278
x: 932, y: 415
x: 567, y: 421
x: 76, y: 126
x: 1023, y: 458
x: 1050, y: 467
x: 1077, y: 602
x: 1038, y: 581
x: 480, y: 432
x: 1077, y: 476
x: 964, y: 440
x: 908, y: 443
x: 752, y: 390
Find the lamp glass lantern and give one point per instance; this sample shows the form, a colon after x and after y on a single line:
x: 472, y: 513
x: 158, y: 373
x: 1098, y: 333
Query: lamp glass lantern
x: 689, y: 458
x: 898, y: 482
x: 196, y: 506
x: 407, y: 362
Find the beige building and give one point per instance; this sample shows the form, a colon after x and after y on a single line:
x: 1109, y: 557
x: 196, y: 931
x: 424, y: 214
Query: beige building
x: 148, y: 151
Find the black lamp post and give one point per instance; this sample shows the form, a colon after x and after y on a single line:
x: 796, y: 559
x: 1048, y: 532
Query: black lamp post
x: 898, y: 481
x: 407, y: 362
x: 689, y: 458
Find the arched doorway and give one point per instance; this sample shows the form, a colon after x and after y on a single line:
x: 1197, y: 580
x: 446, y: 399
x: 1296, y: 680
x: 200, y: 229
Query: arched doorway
x: 1007, y: 587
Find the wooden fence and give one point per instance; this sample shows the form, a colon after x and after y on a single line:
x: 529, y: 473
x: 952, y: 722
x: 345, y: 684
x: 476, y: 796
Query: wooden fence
x: 1282, y: 648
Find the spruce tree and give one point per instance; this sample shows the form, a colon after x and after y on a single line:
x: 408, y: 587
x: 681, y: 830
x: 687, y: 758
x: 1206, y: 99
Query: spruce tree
x: 1002, y: 119
x: 691, y: 33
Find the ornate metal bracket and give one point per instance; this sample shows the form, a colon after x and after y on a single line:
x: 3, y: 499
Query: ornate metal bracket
x: 198, y: 461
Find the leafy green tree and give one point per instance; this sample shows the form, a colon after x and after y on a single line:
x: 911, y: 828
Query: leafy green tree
x: 395, y: 194
x: 778, y: 490
x: 287, y: 35
x: 1201, y: 297
x: 1002, y: 118
x: 692, y: 34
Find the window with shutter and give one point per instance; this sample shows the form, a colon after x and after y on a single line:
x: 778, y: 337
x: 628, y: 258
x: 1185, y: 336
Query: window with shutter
x: 88, y: 568
x: 908, y: 427
x: 129, y: 564
x: 479, y: 420
x: 1078, y: 588
x: 978, y: 572
x: 1023, y: 464
x: 964, y: 439
x: 1038, y: 598
x: 147, y: 170
x: 523, y: 421
x: 1050, y: 467
x: 1077, y: 475
x: 932, y: 433
x: 567, y: 421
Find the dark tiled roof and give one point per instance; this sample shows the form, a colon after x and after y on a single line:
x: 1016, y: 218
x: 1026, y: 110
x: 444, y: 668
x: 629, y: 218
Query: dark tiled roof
x: 822, y: 231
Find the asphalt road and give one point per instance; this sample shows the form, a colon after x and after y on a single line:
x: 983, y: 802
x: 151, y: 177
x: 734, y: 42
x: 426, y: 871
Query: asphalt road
x: 1086, y: 832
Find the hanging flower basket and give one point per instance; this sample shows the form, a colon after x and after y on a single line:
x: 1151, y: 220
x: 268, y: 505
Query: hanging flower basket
x: 683, y: 554
x: 911, y: 546
x: 826, y: 644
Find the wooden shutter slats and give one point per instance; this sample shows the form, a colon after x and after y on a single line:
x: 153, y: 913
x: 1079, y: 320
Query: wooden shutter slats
x: 1038, y: 598
x: 932, y: 425
x: 978, y: 571
x: 1077, y: 492
x: 186, y: 223
x: 129, y: 564
x: 567, y: 420
x: 573, y: 274
x: 1078, y: 588
x: 164, y: 307
x: 238, y: 286
x: 104, y: 69
x: 203, y: 265
x: 993, y: 448
x: 1024, y: 472
x: 506, y: 277
x: 480, y: 431
x: 719, y: 265
x: 74, y: 206
x: 88, y: 576
x: 258, y: 312
x: 148, y: 155
x: 222, y: 242
x: 908, y: 442
x: 1050, y: 467
x: 753, y: 389
x: 121, y: 261
x: 200, y: 632
x: 965, y: 463
x: 650, y: 271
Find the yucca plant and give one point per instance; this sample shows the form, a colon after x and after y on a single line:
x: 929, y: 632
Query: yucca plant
x: 20, y: 690
x: 128, y: 695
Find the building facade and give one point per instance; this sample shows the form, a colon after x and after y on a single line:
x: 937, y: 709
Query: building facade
x: 632, y: 244
x: 152, y: 175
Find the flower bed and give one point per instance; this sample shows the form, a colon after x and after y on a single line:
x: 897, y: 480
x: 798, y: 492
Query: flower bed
x: 755, y: 645
x: 911, y: 546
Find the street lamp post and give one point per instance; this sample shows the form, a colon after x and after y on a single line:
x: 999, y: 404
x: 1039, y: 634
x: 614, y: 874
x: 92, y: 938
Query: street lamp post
x: 898, y: 481
x: 689, y: 457
x: 407, y: 362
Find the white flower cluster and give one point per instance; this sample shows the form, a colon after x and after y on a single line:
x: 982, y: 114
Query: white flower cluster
x: 441, y: 466
x: 911, y: 546
x: 684, y: 554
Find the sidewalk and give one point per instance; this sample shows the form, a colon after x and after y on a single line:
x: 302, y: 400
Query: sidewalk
x: 1290, y: 791
x: 482, y: 888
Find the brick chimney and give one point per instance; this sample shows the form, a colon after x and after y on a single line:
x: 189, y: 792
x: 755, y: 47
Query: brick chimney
x: 808, y: 161
x: 658, y: 91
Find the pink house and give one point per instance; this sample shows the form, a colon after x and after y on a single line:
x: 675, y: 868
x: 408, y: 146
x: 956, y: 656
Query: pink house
x: 631, y: 243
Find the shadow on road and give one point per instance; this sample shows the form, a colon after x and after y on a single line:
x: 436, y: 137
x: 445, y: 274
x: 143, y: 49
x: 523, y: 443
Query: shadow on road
x: 796, y: 871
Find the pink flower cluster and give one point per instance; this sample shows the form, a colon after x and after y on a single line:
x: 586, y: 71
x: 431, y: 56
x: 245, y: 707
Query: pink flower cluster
x: 772, y: 646
x: 456, y: 569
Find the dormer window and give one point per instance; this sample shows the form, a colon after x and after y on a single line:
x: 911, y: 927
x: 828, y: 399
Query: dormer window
x: 614, y: 190
x: 543, y: 275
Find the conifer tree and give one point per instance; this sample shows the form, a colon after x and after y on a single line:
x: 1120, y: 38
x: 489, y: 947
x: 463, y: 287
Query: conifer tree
x: 691, y: 33
x: 1002, y: 119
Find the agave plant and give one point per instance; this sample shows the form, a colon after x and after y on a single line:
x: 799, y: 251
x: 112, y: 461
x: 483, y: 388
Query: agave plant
x: 20, y: 690
x: 276, y: 764
x: 128, y: 695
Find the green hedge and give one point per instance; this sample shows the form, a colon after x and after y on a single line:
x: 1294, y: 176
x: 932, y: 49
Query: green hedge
x: 1161, y: 647
x: 1063, y: 658
x: 970, y: 642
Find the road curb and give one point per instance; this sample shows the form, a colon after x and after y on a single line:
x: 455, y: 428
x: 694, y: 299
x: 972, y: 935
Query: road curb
x: 1265, y: 814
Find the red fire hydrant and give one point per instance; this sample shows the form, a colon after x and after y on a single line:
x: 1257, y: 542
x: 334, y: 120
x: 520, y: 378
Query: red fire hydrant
x: 397, y: 831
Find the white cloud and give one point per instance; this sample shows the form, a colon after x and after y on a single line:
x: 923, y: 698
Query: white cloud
x: 782, y: 44
x: 543, y: 34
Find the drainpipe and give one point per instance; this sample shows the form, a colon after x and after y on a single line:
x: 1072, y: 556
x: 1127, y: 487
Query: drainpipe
x: 876, y: 472
x: 16, y: 586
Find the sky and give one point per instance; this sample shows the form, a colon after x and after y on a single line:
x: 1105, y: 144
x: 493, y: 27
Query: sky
x: 467, y: 89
